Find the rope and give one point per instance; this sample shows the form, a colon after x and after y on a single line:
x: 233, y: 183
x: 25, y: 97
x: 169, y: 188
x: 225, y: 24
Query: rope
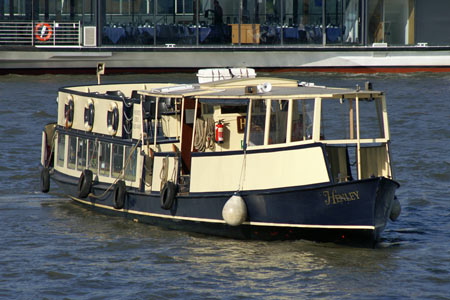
x: 204, y: 135
x: 51, y: 150
x: 122, y: 172
x: 243, y: 171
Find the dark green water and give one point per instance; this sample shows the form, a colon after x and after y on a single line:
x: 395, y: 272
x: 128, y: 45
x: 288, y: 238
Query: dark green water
x: 53, y: 249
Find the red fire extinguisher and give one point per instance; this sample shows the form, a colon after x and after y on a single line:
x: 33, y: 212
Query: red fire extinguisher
x: 219, y: 132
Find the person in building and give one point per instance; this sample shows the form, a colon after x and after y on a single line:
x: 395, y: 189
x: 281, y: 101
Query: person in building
x: 218, y: 13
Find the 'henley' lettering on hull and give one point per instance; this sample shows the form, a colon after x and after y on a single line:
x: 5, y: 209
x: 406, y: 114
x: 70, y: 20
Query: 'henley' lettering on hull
x: 332, y: 198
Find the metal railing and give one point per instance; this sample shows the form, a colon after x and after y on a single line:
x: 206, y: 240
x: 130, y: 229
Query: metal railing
x: 46, y: 33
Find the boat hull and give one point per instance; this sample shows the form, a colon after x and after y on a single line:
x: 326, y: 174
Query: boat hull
x: 355, y: 211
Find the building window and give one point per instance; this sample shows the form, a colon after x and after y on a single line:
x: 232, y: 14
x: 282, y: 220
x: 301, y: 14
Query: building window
x: 184, y: 7
x: 61, y: 149
x: 166, y: 7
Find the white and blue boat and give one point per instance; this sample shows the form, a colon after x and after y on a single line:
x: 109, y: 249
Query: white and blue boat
x: 235, y: 156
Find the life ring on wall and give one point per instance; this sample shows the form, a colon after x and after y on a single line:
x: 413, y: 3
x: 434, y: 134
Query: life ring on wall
x: 85, y: 183
x: 119, y: 194
x: 43, y: 32
x: 89, y: 112
x: 69, y: 112
x: 113, y: 118
x: 168, y: 195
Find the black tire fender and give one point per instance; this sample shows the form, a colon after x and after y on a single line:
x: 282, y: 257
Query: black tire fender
x: 119, y: 194
x: 168, y: 193
x: 85, y: 183
x: 45, y: 180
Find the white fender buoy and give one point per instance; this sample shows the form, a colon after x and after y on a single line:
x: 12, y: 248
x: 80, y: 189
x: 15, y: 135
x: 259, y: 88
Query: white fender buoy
x: 234, y: 211
x: 395, y: 209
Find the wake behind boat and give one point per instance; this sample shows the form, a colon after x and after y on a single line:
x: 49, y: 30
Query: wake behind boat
x: 236, y: 156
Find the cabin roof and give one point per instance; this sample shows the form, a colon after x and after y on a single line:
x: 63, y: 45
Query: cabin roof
x: 238, y: 88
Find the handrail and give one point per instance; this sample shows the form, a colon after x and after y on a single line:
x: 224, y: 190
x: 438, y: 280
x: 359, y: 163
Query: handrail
x: 53, y: 33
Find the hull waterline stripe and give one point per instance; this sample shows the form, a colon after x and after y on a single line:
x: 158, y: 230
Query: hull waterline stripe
x: 355, y: 227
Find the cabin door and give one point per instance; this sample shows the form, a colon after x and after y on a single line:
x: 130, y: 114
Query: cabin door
x: 186, y: 135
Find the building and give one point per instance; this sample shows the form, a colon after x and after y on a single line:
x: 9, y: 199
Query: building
x: 155, y: 35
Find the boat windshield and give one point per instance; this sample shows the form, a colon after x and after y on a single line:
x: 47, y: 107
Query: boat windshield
x: 339, y: 119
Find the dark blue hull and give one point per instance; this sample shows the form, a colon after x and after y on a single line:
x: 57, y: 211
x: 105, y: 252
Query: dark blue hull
x: 352, y: 211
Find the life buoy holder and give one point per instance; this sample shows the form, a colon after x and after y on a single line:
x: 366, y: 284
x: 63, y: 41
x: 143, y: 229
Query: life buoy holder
x: 119, y: 194
x: 85, y: 183
x: 68, y: 113
x: 43, y: 32
x: 113, y: 118
x: 89, y: 113
x: 168, y: 193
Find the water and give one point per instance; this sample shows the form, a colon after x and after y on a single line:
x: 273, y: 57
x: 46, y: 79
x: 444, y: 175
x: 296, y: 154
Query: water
x: 52, y: 249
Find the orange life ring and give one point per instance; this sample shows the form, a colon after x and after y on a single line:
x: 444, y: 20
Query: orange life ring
x: 43, y: 31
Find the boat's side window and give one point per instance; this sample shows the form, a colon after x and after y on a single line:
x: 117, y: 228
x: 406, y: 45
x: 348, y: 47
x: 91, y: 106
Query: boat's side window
x: 130, y: 164
x: 61, y: 148
x: 105, y: 158
x: 117, y: 159
x: 93, y: 156
x: 258, y: 120
x: 207, y: 109
x: 278, y: 121
x: 81, y: 154
x: 72, y: 153
x: 370, y: 118
x: 302, y: 120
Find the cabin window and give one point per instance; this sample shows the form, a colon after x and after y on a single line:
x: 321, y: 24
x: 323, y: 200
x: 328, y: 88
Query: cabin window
x: 105, y: 158
x: 278, y: 121
x: 233, y: 109
x: 93, y: 156
x: 339, y: 119
x: 81, y: 153
x: 302, y: 120
x: 336, y: 123
x: 130, y: 164
x: 117, y: 159
x: 370, y: 118
x: 61, y: 148
x: 207, y: 109
x: 72, y: 152
x: 258, y: 121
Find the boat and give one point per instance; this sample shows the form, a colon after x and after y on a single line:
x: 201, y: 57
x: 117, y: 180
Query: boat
x: 237, y: 156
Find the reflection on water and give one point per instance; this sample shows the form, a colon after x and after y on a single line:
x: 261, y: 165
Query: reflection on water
x: 54, y: 249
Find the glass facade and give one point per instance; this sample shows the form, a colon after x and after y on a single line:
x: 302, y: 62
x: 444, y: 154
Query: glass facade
x: 234, y: 22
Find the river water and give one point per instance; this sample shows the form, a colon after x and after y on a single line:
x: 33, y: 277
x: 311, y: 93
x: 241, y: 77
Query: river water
x: 51, y: 248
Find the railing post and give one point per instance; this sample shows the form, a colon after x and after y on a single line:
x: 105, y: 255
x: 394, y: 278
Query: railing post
x: 32, y: 33
x: 54, y: 33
